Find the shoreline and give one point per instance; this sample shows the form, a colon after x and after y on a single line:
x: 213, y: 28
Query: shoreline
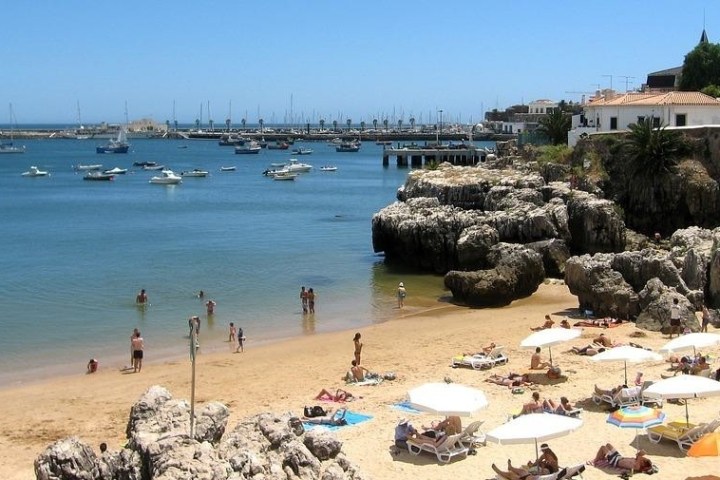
x: 286, y: 375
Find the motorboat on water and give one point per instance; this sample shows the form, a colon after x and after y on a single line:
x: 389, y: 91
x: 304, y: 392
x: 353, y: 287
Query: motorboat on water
x: 348, y: 147
x: 35, y: 172
x: 248, y: 147
x: 88, y: 168
x: 144, y: 164
x: 231, y: 168
x: 302, y: 151
x: 328, y: 168
x: 9, y: 147
x: 294, y: 166
x: 117, y: 145
x: 153, y: 168
x: 285, y: 176
x: 195, y: 173
x: 278, y: 146
x: 167, y: 177
x: 98, y: 176
x: 116, y: 171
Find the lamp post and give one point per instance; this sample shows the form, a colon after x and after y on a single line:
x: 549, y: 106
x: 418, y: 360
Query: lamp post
x: 441, y: 126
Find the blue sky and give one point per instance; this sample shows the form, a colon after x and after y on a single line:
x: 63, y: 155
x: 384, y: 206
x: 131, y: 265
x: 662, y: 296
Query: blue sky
x: 335, y: 60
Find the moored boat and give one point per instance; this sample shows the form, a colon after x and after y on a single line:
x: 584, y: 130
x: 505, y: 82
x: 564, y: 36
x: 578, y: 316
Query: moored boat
x: 98, y: 176
x: 154, y: 167
x: 35, y: 172
x: 9, y: 147
x: 285, y: 176
x: 348, y: 147
x: 116, y: 171
x: 294, y: 166
x: 195, y: 173
x: 302, y: 151
x: 144, y: 164
x: 167, y: 177
x: 117, y: 145
x: 231, y: 168
x: 278, y: 146
x: 328, y: 168
x: 248, y: 147
x: 88, y: 168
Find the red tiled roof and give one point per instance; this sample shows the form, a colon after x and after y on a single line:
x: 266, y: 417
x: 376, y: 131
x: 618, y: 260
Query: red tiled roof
x: 668, y: 98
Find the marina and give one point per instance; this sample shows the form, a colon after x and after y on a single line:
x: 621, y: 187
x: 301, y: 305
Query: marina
x: 418, y: 156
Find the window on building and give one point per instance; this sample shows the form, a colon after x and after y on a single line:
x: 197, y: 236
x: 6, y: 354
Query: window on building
x: 656, y: 122
x: 613, y: 123
x: 641, y: 119
x: 680, y: 120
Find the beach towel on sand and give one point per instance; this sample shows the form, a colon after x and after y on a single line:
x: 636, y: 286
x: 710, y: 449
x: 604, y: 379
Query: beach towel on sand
x: 352, y: 418
x: 405, y: 407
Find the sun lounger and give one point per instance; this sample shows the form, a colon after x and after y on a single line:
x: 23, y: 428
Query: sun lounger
x: 481, y: 361
x: 574, y: 471
x: 472, y: 435
x: 625, y: 397
x: 683, y: 438
x: 448, y: 447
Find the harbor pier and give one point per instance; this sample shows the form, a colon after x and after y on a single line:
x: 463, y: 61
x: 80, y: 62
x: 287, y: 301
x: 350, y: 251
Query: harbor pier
x: 418, y: 156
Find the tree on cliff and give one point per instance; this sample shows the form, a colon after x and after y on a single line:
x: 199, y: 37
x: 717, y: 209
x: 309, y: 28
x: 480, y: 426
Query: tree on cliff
x: 555, y: 126
x: 653, y: 151
x: 701, y: 67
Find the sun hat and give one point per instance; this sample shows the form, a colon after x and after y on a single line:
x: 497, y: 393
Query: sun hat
x: 402, y: 421
x: 401, y: 284
x: 544, y: 446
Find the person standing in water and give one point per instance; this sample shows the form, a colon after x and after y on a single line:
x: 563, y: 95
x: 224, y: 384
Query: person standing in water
x: 304, y: 299
x: 401, y: 294
x: 138, y: 346
x: 231, y: 336
x: 358, y: 347
x: 241, y: 341
x: 311, y: 300
x: 210, y: 305
x: 132, y: 336
x: 141, y: 298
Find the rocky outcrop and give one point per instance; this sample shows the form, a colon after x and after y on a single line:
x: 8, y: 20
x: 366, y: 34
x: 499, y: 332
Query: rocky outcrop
x: 262, y: 447
x: 515, y: 272
x: 655, y: 301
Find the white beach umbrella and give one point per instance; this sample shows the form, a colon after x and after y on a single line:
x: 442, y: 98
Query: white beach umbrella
x: 550, y: 337
x: 691, y: 340
x: 533, y: 428
x: 447, y: 399
x: 626, y: 354
x: 684, y: 387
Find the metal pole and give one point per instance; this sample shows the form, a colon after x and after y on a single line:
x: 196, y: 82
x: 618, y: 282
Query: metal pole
x: 193, y: 343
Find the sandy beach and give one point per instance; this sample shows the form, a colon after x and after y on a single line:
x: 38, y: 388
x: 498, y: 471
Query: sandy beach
x: 417, y: 345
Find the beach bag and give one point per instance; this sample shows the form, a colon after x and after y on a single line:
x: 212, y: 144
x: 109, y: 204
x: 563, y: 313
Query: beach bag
x: 316, y: 411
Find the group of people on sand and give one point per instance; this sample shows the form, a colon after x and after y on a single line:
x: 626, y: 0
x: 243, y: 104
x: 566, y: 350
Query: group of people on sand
x: 307, y: 300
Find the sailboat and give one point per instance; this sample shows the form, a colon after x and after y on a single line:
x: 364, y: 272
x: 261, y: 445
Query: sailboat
x: 8, y: 147
x: 80, y: 132
x: 118, y: 145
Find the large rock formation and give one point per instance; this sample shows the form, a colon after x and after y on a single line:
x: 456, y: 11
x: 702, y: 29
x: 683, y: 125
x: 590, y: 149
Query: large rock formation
x: 449, y: 220
x: 262, y: 447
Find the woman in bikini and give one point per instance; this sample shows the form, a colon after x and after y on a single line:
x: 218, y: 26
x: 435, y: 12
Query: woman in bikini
x: 358, y: 347
x: 340, y: 396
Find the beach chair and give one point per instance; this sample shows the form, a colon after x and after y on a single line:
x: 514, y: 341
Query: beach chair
x: 624, y: 398
x: 683, y: 437
x: 645, y: 400
x: 574, y: 471
x: 472, y: 435
x: 448, y: 447
x: 482, y: 361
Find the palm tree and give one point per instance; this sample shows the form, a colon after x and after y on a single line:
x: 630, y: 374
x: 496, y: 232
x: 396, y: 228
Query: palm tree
x: 243, y: 121
x: 375, y: 123
x: 412, y: 123
x: 335, y: 125
x: 555, y: 126
x: 261, y: 122
x: 653, y: 151
x: 227, y: 124
x: 197, y: 124
x: 400, y: 125
x: 322, y: 125
x: 349, y: 122
x: 211, y: 123
x: 362, y: 125
x: 385, y: 123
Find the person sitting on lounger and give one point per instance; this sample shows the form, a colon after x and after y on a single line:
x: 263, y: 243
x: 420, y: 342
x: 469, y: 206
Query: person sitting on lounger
x: 546, y: 463
x: 611, y: 392
x: 510, y: 380
x: 515, y: 473
x: 332, y: 418
x: 452, y: 425
x: 534, y: 405
x: 339, y: 396
x: 548, y: 324
x: 638, y: 463
x: 536, y: 361
x: 564, y: 407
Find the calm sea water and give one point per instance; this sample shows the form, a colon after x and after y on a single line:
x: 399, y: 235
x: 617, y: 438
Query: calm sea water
x: 75, y: 253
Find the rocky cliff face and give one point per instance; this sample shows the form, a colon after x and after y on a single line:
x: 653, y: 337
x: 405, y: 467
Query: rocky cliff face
x: 450, y: 220
x: 265, y: 446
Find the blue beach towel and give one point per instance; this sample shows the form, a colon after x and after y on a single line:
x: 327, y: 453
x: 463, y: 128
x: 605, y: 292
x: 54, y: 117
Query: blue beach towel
x: 405, y: 407
x: 352, y: 418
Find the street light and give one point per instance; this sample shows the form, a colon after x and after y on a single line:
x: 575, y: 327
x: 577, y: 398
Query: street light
x: 440, y: 112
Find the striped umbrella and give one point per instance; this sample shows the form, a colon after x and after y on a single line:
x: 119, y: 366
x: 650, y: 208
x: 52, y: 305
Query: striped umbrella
x: 637, y: 417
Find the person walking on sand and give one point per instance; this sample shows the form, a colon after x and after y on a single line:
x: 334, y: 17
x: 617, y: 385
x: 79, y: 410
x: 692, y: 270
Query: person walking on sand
x: 358, y: 347
x: 401, y: 294
x: 241, y: 341
x: 231, y: 336
x: 304, y: 299
x: 210, y: 305
x: 141, y: 298
x: 138, y: 346
x: 675, y: 318
x: 311, y: 300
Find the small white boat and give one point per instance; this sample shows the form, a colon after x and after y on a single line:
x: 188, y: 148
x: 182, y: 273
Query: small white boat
x: 284, y: 176
x: 116, y: 171
x: 153, y: 167
x: 251, y: 147
x: 35, y: 172
x: 98, y: 176
x: 88, y: 168
x: 297, y: 167
x: 328, y: 168
x: 195, y: 173
x: 228, y: 169
x: 168, y: 177
x: 302, y: 151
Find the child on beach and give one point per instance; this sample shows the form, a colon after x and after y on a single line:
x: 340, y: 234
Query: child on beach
x: 231, y: 336
x: 241, y: 341
x: 210, y: 305
x: 401, y: 294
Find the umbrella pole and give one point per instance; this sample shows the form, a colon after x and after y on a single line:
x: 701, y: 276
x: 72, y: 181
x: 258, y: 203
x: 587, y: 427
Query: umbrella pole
x: 537, y: 453
x: 687, y: 417
x: 625, y: 373
x: 550, y: 350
